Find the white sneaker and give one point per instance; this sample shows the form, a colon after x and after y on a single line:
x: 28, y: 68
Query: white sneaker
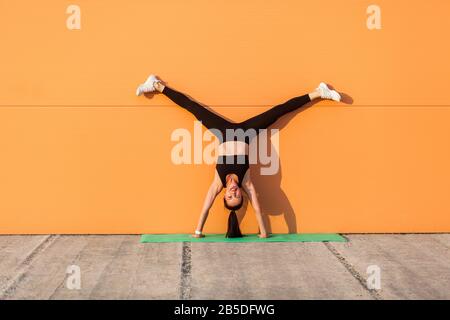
x: 327, y: 93
x: 147, y: 86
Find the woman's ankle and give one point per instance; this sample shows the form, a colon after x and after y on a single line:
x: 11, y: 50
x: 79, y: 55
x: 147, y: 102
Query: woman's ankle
x: 159, y: 86
x: 315, y: 94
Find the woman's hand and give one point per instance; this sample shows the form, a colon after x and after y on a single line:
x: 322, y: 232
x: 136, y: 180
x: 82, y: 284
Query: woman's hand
x: 198, y: 235
x: 251, y: 192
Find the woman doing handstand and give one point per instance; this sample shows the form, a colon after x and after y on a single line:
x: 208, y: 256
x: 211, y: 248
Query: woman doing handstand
x: 233, y: 162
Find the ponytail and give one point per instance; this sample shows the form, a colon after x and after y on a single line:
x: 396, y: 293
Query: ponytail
x: 233, y: 226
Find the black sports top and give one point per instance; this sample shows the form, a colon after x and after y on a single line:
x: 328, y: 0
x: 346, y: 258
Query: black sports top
x: 237, y: 164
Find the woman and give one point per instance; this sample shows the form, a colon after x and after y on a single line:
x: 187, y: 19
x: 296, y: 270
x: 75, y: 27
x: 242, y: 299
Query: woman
x: 232, y: 166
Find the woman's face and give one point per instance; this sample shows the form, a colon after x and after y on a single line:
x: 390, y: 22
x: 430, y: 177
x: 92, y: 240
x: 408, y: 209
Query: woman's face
x: 233, y: 194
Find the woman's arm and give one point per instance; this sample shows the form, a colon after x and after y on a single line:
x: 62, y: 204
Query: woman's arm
x: 251, y: 192
x: 213, y: 191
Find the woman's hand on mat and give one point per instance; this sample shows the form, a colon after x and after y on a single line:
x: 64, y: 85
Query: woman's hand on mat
x: 263, y: 235
x: 198, y: 235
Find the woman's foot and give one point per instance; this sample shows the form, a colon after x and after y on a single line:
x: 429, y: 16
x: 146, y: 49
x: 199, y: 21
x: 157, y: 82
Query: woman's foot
x: 327, y: 93
x: 150, y: 85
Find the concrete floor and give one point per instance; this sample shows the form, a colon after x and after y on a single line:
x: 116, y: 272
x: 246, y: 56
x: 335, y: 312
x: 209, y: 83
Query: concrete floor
x: 119, y: 267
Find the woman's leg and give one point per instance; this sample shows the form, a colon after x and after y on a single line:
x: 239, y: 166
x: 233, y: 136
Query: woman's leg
x: 265, y: 119
x: 208, y: 118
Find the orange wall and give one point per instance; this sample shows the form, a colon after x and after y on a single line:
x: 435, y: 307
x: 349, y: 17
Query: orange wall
x: 80, y: 153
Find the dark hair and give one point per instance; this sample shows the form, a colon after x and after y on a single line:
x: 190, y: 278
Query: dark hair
x: 233, y: 226
x: 233, y: 222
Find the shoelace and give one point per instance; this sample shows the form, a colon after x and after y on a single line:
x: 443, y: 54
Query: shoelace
x: 328, y: 94
x: 324, y: 94
x: 147, y: 88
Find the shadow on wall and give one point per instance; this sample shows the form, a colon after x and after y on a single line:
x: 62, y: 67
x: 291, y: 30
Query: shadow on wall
x: 272, y: 198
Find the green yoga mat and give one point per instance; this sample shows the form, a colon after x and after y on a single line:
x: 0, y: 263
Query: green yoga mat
x: 216, y: 237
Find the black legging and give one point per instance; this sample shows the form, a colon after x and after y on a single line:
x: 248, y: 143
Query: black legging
x: 213, y: 121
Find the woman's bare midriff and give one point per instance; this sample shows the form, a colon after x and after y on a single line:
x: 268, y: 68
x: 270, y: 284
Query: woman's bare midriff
x: 232, y: 148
